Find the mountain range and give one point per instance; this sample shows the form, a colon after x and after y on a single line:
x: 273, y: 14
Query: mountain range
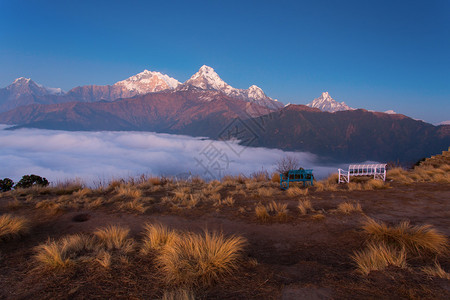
x: 25, y: 91
x: 207, y: 106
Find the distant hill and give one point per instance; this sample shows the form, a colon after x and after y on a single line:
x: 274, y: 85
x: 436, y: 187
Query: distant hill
x: 351, y: 135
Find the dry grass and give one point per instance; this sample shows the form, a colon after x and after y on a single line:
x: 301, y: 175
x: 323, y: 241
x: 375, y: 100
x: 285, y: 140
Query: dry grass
x: 126, y: 191
x: 265, y: 192
x: 135, y: 205
x: 178, y: 294
x: 279, y: 208
x: 63, y: 253
x: 115, y: 238
x: 305, y: 205
x: 11, y: 226
x: 378, y: 257
x: 275, y: 209
x: 261, y: 212
x: 275, y: 178
x: 296, y: 191
x: 14, y: 204
x: 200, y: 259
x: 436, y: 271
x: 318, y: 217
x: 348, y: 208
x: 228, y: 201
x: 156, y: 237
x: 50, y: 206
x: 416, y: 239
x: 104, y: 259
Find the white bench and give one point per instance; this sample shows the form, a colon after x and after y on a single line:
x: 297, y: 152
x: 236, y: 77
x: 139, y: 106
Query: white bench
x: 378, y: 171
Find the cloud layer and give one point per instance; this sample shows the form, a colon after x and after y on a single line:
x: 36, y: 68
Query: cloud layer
x: 101, y: 156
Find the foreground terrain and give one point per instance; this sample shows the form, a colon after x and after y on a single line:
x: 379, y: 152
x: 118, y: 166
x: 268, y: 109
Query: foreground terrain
x: 241, y: 238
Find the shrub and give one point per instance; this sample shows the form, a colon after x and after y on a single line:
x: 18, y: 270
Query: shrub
x: 6, y: 184
x: 287, y: 163
x: 378, y: 257
x: 200, y: 259
x: 11, y: 226
x: 28, y: 181
x: 417, y: 239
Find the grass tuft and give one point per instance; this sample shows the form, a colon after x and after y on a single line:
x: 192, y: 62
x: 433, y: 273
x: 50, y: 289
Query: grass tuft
x: 416, y: 239
x: 156, y: 237
x: 348, y: 208
x: 11, y: 226
x: 378, y: 257
x: 305, y: 205
x: 436, y: 271
x: 115, y: 238
x: 200, y: 259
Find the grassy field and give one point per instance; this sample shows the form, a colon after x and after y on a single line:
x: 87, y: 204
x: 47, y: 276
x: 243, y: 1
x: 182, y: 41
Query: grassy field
x: 238, y: 238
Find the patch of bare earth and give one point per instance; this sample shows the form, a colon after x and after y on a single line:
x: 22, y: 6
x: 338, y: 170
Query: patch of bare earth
x: 300, y: 256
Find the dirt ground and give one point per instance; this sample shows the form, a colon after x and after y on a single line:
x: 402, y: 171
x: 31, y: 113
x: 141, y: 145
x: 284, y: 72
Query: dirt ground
x: 300, y: 257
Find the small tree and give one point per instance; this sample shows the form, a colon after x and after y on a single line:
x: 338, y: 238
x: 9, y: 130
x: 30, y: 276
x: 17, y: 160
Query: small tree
x: 31, y: 180
x: 6, y: 184
x: 287, y: 163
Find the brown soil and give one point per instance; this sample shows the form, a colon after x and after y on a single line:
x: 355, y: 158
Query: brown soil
x: 297, y: 258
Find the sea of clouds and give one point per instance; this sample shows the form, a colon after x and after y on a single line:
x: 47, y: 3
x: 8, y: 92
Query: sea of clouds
x: 96, y: 157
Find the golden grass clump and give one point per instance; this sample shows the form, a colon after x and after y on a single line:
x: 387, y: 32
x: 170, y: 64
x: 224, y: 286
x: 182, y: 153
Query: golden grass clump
x: 348, y: 208
x: 296, y: 191
x: 63, y: 253
x: 229, y: 200
x: 378, y: 257
x: 436, y: 271
x: 275, y: 178
x: 12, y: 226
x: 279, y: 208
x: 135, y: 205
x: 50, y: 206
x: 156, y: 237
x: 417, y: 239
x: 200, y: 259
x: 305, y: 205
x: 115, y: 238
x: 261, y: 212
x: 128, y: 192
x: 265, y: 192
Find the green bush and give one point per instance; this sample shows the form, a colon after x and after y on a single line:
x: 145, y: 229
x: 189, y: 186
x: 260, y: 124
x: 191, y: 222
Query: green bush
x: 6, y: 184
x: 31, y: 180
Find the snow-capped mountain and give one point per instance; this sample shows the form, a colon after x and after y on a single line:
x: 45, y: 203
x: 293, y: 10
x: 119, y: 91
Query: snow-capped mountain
x: 326, y: 103
x: 25, y: 91
x: 23, y: 85
x: 207, y: 79
x: 148, y: 82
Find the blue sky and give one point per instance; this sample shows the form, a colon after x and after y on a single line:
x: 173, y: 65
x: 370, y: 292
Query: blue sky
x: 376, y: 55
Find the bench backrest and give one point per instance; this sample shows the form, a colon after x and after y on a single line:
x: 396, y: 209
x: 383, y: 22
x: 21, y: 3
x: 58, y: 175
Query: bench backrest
x: 369, y: 169
x: 300, y: 172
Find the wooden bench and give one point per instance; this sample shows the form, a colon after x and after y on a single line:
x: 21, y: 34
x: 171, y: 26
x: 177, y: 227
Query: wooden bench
x: 300, y: 175
x: 378, y: 171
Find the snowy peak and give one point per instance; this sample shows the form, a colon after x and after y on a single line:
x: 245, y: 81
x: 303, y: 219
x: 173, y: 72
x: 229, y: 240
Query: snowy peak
x: 328, y: 104
x: 23, y: 85
x: 207, y: 79
x: 148, y: 82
